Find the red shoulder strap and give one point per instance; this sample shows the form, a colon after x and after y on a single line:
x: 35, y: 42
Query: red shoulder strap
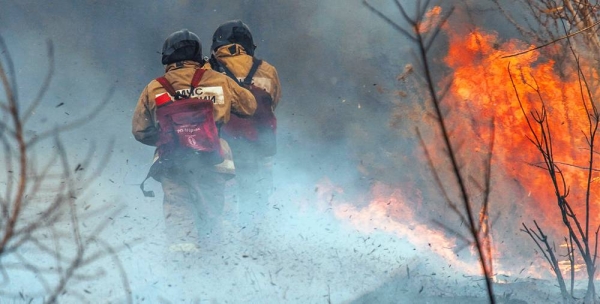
x: 166, y: 85
x: 197, y: 76
x: 169, y: 87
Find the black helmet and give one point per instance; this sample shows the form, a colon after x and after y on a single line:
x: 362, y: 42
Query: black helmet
x: 234, y: 31
x: 182, y: 45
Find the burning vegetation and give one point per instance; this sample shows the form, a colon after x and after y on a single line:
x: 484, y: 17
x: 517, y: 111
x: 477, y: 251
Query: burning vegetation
x: 520, y: 124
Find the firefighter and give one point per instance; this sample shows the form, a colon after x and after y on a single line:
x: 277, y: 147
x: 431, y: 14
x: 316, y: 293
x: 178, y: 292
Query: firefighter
x: 180, y: 113
x: 252, y: 139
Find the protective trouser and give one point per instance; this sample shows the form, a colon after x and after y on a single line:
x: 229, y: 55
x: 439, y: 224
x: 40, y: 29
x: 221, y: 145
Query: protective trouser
x: 193, y: 201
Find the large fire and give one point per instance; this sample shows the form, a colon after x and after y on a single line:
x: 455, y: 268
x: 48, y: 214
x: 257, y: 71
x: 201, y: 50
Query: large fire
x: 482, y: 89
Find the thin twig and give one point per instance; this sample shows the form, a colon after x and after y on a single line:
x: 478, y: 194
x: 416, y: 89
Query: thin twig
x: 552, y: 42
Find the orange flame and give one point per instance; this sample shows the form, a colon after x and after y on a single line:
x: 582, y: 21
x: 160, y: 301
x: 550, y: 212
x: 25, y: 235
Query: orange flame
x: 431, y: 19
x: 389, y: 211
x: 481, y: 89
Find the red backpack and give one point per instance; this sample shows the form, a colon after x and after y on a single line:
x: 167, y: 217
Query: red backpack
x: 259, y: 129
x: 187, y: 122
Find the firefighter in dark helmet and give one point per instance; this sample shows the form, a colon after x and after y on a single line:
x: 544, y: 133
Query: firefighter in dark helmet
x: 252, y: 139
x: 181, y: 113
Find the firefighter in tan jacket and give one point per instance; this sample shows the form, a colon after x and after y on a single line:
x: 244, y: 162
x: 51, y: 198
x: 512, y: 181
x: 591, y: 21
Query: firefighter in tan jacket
x: 193, y: 186
x: 252, y: 139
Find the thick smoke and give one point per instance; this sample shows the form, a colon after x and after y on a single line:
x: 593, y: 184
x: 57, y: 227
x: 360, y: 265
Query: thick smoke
x: 330, y: 63
x: 338, y: 64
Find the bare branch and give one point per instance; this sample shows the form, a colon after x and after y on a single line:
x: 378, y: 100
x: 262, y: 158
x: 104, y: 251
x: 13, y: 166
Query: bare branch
x: 552, y: 42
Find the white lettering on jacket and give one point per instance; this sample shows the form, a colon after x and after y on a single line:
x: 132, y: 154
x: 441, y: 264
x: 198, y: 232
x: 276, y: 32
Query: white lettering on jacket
x: 214, y: 94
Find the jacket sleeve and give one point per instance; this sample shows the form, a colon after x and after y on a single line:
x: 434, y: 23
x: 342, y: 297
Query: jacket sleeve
x: 243, y: 102
x: 144, y: 124
x: 276, y: 95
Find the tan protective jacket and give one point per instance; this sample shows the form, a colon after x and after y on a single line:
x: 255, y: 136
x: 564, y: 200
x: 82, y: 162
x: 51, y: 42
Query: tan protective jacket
x: 234, y: 57
x: 226, y: 94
